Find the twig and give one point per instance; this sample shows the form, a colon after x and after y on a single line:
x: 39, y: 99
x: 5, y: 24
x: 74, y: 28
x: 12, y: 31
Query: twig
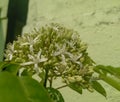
x: 46, y: 77
x: 62, y: 86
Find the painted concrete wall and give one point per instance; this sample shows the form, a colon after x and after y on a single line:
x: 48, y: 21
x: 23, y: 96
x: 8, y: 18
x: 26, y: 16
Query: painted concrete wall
x: 3, y: 25
x: 98, y: 22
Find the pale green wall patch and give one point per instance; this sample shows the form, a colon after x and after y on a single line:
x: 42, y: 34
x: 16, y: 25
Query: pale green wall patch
x: 3, y: 26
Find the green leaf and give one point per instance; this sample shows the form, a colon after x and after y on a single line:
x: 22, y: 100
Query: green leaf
x: 98, y: 87
x: 3, y: 65
x: 21, y: 89
x: 111, y: 80
x: 26, y: 73
x: 55, y: 95
x: 108, y: 69
x: 10, y: 67
x: 76, y: 87
x: 110, y: 75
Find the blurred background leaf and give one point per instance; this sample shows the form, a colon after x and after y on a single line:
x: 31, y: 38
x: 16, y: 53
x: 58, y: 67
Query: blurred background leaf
x: 21, y: 89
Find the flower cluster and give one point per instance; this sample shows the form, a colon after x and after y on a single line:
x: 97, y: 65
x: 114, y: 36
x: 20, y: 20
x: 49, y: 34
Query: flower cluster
x: 55, y: 48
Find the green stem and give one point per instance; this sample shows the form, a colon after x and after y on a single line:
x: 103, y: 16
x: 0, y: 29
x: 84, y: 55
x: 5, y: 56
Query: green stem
x: 50, y: 81
x: 46, y: 77
x: 62, y: 86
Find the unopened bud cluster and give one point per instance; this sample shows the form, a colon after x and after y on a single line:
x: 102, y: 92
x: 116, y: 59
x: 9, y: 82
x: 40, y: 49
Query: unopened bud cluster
x: 56, y: 48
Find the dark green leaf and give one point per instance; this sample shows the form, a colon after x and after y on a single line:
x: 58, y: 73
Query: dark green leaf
x: 3, y: 65
x: 12, y: 68
x: 110, y: 75
x: 26, y: 73
x: 76, y: 87
x: 55, y: 95
x: 111, y: 80
x: 108, y: 69
x: 9, y: 67
x: 21, y: 89
x: 98, y: 87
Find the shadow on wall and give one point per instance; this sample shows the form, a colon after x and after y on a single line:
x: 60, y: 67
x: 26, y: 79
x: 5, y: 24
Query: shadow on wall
x: 17, y: 16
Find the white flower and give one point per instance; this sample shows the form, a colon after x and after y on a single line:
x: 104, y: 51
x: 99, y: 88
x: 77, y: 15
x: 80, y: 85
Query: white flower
x: 75, y: 58
x: 11, y: 52
x: 31, y: 42
x: 71, y: 44
x: 60, y: 50
x: 63, y: 60
x: 55, y: 47
x: 35, y: 60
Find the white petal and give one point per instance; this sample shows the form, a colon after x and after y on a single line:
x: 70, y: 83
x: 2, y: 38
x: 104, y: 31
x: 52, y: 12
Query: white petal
x: 35, y: 65
x: 26, y: 63
x: 39, y: 53
x: 31, y: 48
x: 25, y: 43
x: 20, y: 71
x: 56, y: 53
x: 36, y: 38
x: 30, y: 57
x: 43, y: 59
x: 10, y: 57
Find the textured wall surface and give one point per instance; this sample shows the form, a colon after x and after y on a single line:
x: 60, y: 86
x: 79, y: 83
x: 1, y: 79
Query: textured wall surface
x: 98, y: 22
x: 3, y: 24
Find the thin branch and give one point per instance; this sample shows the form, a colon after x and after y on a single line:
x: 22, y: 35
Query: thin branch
x: 50, y: 81
x: 62, y: 86
x: 46, y: 77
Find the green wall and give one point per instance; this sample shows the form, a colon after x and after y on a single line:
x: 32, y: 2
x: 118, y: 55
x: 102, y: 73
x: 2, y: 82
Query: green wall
x: 97, y: 21
x: 3, y: 25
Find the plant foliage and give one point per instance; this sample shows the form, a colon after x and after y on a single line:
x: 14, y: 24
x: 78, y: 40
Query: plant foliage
x: 20, y: 89
x: 52, y: 52
x: 110, y: 75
